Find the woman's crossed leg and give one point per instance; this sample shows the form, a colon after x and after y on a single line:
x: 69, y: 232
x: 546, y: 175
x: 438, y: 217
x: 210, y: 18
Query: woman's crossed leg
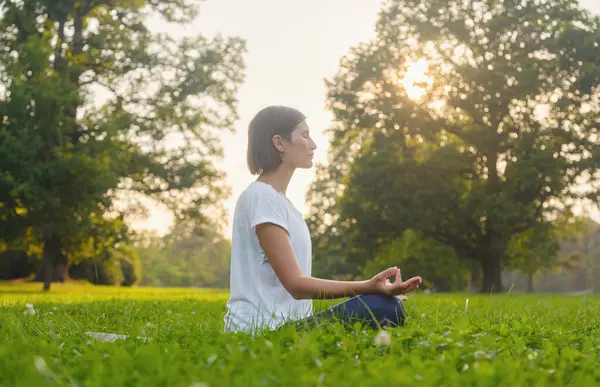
x: 372, y: 309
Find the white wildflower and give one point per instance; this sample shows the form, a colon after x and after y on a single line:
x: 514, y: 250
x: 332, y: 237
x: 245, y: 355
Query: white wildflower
x: 107, y: 337
x: 29, y: 311
x: 466, y: 305
x: 40, y: 364
x: 211, y: 359
x: 111, y: 337
x: 383, y: 338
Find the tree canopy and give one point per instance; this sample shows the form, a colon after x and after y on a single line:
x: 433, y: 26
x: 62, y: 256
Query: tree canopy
x: 498, y: 137
x: 96, y: 107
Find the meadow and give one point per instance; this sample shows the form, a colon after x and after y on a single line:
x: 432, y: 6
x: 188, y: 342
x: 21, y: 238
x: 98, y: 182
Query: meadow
x: 175, y: 338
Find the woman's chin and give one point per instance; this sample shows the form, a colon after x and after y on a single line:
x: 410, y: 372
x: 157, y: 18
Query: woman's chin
x: 306, y: 165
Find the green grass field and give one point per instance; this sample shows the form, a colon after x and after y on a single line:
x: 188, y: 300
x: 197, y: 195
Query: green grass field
x: 508, y: 340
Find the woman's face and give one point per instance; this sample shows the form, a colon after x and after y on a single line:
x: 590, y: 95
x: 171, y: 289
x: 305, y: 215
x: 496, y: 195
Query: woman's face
x: 299, y: 151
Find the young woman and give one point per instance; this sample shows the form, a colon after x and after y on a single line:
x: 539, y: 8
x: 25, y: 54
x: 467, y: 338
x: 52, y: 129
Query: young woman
x: 271, y: 259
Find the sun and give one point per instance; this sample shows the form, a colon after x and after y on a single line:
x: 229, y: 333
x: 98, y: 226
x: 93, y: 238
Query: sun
x: 414, y: 78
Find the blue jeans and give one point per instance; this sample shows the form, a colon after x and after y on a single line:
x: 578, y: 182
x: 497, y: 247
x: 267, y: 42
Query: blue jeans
x: 371, y: 309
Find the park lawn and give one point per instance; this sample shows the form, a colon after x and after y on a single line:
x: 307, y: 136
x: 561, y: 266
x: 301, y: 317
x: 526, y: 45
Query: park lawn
x: 176, y: 339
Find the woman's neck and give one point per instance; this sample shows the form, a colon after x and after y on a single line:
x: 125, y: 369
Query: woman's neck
x: 278, y: 179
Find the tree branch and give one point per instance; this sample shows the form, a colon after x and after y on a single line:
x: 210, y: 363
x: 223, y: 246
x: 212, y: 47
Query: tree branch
x: 449, y: 239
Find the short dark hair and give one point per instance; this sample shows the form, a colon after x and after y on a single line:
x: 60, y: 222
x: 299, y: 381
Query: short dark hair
x: 270, y: 121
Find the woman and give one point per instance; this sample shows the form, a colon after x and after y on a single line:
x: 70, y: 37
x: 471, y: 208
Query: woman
x: 271, y: 259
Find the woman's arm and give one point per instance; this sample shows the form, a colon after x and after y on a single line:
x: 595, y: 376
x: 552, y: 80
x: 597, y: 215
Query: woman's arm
x: 278, y: 249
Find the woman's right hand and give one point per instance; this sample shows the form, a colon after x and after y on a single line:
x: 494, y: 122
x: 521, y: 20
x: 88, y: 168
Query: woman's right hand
x: 380, y: 283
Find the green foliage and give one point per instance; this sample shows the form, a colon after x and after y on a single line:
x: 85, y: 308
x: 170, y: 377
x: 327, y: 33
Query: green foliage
x: 496, y: 341
x: 131, y: 267
x: 191, y: 256
x: 540, y: 248
x: 331, y: 250
x: 120, y: 267
x: 496, y: 144
x: 414, y: 254
x: 97, y: 108
x: 576, y: 267
x: 17, y: 264
x: 98, y: 271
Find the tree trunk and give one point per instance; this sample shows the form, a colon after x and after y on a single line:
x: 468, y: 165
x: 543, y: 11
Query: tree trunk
x: 54, y: 266
x: 529, y: 282
x: 46, y: 271
x: 596, y: 273
x: 475, y: 281
x: 61, y: 269
x: 492, y: 274
x: 54, y: 263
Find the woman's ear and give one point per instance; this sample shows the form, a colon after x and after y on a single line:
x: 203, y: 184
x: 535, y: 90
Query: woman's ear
x: 278, y: 142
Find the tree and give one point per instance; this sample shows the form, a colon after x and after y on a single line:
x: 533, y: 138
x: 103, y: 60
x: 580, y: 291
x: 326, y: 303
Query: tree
x: 96, y: 107
x: 191, y: 254
x: 121, y: 268
x: 539, y: 248
x: 585, y: 246
x: 494, y: 138
x: 332, y: 252
x: 437, y: 263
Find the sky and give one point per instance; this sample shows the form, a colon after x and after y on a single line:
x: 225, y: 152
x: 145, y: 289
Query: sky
x: 292, y: 47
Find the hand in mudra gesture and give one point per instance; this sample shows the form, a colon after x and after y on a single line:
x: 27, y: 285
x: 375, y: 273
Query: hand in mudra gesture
x: 381, y: 284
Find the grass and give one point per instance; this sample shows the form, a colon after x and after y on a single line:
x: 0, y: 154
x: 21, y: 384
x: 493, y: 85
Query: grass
x: 511, y: 340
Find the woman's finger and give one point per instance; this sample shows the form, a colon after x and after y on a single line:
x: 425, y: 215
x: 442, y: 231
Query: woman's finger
x: 387, y: 273
x: 410, y: 284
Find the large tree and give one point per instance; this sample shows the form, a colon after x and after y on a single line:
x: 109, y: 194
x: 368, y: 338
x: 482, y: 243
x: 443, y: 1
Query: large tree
x: 497, y: 137
x: 95, y: 107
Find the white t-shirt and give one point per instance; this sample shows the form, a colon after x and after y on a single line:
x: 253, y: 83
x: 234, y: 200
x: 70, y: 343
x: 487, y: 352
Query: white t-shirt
x: 258, y: 300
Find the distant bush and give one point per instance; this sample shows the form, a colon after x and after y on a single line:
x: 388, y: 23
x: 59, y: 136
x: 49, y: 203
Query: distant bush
x: 131, y: 267
x: 99, y: 271
x: 121, y: 268
x: 17, y: 264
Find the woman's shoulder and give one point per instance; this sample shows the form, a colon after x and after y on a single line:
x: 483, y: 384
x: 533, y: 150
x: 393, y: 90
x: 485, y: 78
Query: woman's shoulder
x: 260, y: 202
x: 260, y: 189
x: 257, y: 192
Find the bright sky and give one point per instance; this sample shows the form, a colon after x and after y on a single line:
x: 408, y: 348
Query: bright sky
x: 292, y: 47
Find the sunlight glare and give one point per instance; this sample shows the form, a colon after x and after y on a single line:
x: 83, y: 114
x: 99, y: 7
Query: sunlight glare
x: 415, y: 78
x: 437, y: 105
